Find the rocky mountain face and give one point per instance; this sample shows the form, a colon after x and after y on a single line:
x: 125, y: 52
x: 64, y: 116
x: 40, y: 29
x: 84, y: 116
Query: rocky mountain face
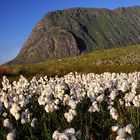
x: 76, y: 31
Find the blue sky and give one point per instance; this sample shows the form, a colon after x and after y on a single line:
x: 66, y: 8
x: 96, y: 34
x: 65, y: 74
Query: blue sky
x: 18, y: 17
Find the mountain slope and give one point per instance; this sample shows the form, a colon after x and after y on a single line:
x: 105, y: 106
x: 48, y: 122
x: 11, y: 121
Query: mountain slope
x: 124, y: 59
x: 72, y: 32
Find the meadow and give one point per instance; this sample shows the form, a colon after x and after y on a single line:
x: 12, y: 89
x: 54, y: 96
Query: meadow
x: 95, y: 96
x: 85, y: 107
x: 124, y: 59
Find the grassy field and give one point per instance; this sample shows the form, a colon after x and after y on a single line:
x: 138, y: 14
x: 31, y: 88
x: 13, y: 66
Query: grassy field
x: 84, y: 103
x: 94, y: 126
x: 125, y: 59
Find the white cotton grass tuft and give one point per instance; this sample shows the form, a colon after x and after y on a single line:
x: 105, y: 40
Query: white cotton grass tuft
x: 11, y: 136
x: 34, y: 122
x: 68, y: 134
x: 124, y: 133
x: 17, y: 116
x: 70, y: 131
x: 114, y: 128
x: 6, y: 123
x: 121, y: 132
x: 72, y: 104
x: 55, y: 134
x: 59, y: 136
x: 4, y: 114
x: 129, y: 128
x: 70, y: 115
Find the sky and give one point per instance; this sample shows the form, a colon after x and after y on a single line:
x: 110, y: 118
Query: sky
x: 18, y: 18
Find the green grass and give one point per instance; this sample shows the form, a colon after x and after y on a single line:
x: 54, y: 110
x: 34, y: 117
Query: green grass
x: 99, y: 126
x: 112, y: 60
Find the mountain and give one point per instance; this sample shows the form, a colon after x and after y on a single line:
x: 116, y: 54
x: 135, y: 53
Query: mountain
x: 76, y: 31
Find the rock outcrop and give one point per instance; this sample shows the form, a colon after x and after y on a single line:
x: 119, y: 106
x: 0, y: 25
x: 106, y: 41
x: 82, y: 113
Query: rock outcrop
x: 76, y: 31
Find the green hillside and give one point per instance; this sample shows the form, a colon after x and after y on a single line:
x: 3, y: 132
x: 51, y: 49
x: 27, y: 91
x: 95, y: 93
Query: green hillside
x: 125, y: 59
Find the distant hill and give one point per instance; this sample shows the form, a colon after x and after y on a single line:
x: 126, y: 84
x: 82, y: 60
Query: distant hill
x: 72, y: 32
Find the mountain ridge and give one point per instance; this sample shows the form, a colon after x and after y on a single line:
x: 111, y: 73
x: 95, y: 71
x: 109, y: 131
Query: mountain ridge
x: 76, y: 31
